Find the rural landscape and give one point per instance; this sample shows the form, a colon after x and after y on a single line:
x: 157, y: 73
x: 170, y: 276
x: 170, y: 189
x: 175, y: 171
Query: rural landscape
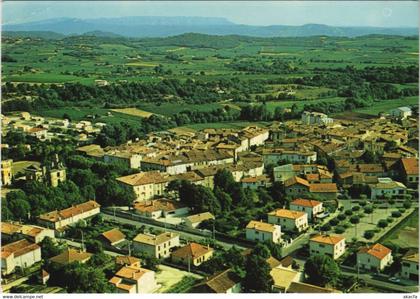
x: 263, y: 160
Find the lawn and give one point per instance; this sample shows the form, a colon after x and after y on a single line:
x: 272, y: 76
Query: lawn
x: 386, y: 105
x: 406, y: 234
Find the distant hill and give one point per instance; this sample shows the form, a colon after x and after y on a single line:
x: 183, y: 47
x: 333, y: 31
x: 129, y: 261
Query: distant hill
x: 150, y: 26
x: 40, y: 34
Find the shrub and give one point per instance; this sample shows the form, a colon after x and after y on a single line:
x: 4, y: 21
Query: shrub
x: 326, y: 227
x: 402, y: 210
x: 390, y: 219
x: 334, y: 222
x: 346, y: 225
x: 368, y: 234
x: 341, y: 217
x: 339, y: 229
x: 368, y: 209
x: 356, y: 208
x: 396, y: 214
x: 407, y: 204
x: 348, y: 212
x: 363, y: 203
x: 382, y: 223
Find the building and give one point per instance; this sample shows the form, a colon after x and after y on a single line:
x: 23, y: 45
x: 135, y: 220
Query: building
x: 276, y: 155
x: 127, y: 260
x: 333, y: 246
x: 128, y: 159
x: 160, y: 208
x: 315, y: 118
x: 386, y: 187
x: 70, y: 256
x: 283, y: 278
x: 283, y: 173
x: 134, y: 280
x: 410, y: 172
x: 374, y: 258
x: 324, y: 190
x: 305, y: 288
x: 158, y: 246
x: 6, y: 172
x: 39, y: 133
x: 20, y: 254
x: 146, y: 185
x: 32, y: 233
x: 225, y: 282
x: 53, y: 174
x: 309, y: 206
x: 261, y: 231
x: 410, y: 265
x: 401, y: 112
x: 113, y: 237
x: 60, y: 219
x: 100, y: 82
x: 255, y: 182
x: 289, y: 220
x: 296, y: 186
x: 192, y: 254
x: 194, y: 220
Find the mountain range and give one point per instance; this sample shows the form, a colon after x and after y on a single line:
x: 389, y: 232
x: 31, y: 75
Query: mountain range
x: 151, y: 26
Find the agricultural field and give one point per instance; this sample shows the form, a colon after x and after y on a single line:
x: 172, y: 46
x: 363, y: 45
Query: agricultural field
x: 385, y: 106
x: 169, y: 109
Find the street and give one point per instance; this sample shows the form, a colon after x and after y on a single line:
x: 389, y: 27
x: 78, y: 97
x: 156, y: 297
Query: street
x: 183, y: 235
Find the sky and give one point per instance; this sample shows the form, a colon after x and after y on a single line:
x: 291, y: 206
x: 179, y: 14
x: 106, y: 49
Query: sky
x: 335, y: 13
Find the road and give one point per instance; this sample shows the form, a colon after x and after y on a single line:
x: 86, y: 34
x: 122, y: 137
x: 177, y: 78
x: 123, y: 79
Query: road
x: 183, y: 235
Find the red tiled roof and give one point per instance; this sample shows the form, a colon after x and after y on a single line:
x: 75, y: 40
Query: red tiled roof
x: 379, y: 251
x: 323, y: 187
x: 193, y: 250
x: 296, y: 180
x: 410, y: 165
x: 305, y: 202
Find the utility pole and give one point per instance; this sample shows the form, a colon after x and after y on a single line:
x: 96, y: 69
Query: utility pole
x: 358, y: 265
x: 129, y: 248
x: 113, y: 206
x: 189, y: 264
x: 83, y: 241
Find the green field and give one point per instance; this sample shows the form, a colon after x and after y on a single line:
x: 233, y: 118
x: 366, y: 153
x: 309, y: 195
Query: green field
x: 406, y: 233
x: 385, y: 106
x: 172, y: 108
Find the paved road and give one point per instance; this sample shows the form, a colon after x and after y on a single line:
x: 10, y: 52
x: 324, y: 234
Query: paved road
x: 183, y: 235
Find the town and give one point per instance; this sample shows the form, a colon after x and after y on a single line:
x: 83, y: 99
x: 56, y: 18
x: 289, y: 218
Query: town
x: 310, y: 205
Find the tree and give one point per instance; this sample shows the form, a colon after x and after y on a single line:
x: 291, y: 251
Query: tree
x: 382, y: 223
x: 369, y: 234
x: 257, y: 278
x: 355, y: 220
x: 18, y: 205
x: 322, y: 270
x: 49, y: 248
x: 94, y: 246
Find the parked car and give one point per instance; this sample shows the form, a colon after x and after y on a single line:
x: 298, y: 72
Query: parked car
x: 394, y: 279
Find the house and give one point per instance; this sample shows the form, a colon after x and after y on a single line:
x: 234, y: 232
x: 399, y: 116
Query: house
x: 275, y: 155
x: 92, y: 150
x: 283, y: 277
x: 130, y: 160
x: 32, y: 233
x: 113, y: 237
x: 134, y: 280
x: 410, y: 265
x: 21, y: 254
x: 192, y: 254
x: 261, y: 231
x: 324, y: 190
x: 194, y: 220
x: 409, y: 171
x: 60, y: 219
x: 53, y: 174
x: 39, y: 133
x: 255, y: 182
x: 160, y: 208
x: 309, y: 206
x: 289, y: 220
x: 386, y: 187
x: 374, y: 258
x: 401, y: 112
x: 127, y: 260
x: 315, y: 118
x: 6, y: 172
x: 283, y: 173
x: 145, y: 185
x: 45, y: 276
x: 333, y: 246
x: 71, y: 255
x: 225, y: 282
x: 305, y: 288
x: 158, y: 246
x: 296, y: 186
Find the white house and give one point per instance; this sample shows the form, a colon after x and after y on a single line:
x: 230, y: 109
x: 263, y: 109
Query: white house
x: 146, y: 185
x: 60, y: 219
x: 374, y: 258
x: 134, y: 280
x: 21, y: 254
x: 401, y: 112
x: 32, y: 233
x: 289, y: 220
x: 158, y: 246
x: 333, y: 246
x: 261, y: 231
x: 387, y: 187
x: 309, y: 206
x: 315, y: 118
x: 410, y: 265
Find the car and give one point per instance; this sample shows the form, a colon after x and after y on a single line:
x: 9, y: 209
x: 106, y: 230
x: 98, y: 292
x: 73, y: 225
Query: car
x: 394, y: 279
